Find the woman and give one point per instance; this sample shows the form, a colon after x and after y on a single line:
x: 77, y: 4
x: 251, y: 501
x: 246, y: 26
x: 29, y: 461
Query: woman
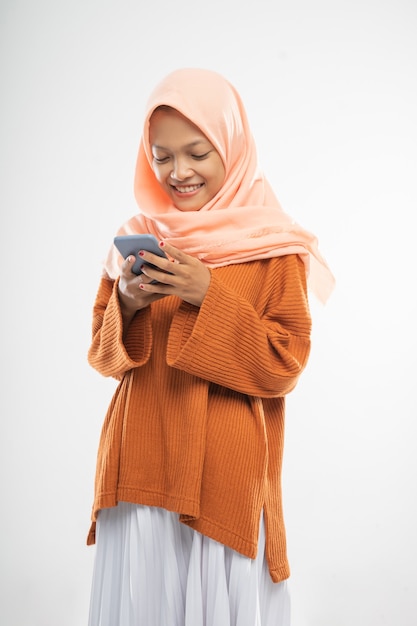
x: 206, y: 344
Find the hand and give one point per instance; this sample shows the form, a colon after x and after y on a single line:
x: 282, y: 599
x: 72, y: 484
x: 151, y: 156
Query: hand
x: 131, y: 297
x: 188, y: 278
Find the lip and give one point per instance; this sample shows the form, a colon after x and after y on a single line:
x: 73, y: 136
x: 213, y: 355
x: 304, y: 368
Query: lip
x: 186, y: 191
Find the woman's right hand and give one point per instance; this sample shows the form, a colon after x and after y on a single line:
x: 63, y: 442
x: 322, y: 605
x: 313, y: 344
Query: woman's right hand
x: 132, y: 298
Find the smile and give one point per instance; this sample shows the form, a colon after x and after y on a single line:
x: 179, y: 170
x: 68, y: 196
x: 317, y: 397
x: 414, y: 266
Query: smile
x: 187, y: 188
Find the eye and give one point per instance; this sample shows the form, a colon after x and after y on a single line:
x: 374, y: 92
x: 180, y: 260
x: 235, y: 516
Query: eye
x: 200, y: 157
x: 160, y: 160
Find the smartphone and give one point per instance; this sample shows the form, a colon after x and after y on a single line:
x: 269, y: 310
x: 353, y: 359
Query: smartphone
x: 131, y: 244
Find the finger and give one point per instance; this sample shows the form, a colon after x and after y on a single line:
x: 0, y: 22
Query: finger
x: 144, y: 279
x: 127, y: 265
x: 153, y: 261
x: 155, y: 275
x: 172, y: 251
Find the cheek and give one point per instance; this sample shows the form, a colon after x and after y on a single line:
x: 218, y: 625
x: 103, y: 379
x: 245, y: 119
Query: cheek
x: 221, y: 175
x: 158, y: 172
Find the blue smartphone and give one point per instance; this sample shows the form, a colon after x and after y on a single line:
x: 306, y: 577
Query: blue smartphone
x: 131, y: 244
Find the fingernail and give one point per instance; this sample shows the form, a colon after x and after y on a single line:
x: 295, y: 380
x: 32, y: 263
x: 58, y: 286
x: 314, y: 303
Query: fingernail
x: 141, y: 253
x: 161, y: 243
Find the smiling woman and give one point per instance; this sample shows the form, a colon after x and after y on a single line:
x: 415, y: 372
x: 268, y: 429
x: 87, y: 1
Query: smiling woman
x: 206, y: 344
x: 186, y: 164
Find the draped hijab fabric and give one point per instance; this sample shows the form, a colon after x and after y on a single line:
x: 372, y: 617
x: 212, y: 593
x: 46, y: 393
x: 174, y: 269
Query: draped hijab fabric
x: 244, y: 221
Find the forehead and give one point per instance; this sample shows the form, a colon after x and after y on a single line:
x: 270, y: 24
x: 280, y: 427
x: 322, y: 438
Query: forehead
x: 171, y: 127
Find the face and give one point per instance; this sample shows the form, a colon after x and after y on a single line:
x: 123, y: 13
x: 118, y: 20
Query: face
x: 185, y: 163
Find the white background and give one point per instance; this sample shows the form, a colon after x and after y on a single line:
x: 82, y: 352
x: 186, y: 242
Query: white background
x: 330, y: 89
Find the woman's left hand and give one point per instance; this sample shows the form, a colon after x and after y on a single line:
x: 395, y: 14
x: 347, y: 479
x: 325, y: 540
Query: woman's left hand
x: 188, y: 278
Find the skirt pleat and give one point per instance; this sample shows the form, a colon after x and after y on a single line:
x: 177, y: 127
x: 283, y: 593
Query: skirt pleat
x: 151, y: 570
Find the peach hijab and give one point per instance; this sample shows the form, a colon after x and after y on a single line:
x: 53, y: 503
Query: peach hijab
x: 244, y: 221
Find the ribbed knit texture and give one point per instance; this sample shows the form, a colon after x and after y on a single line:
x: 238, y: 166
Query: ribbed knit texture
x: 196, y: 425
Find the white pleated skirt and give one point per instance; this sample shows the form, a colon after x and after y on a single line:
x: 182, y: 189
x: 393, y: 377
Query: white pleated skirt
x: 151, y: 570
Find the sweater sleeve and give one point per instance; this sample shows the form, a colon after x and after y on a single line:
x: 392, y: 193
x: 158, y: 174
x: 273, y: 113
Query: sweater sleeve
x: 258, y: 350
x: 108, y: 354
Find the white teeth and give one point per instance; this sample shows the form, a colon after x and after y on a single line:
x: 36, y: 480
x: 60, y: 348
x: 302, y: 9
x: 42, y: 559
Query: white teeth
x: 187, y: 189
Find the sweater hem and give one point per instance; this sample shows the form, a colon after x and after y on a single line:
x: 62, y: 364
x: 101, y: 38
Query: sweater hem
x: 188, y: 511
x: 175, y: 503
x: 223, y: 535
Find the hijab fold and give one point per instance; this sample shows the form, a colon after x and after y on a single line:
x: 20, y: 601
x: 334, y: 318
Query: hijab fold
x: 244, y: 221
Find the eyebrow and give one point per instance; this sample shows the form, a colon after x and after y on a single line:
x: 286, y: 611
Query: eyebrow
x: 189, y: 145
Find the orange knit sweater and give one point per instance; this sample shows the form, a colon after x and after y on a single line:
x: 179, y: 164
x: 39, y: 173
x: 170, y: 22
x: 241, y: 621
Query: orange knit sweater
x: 196, y: 424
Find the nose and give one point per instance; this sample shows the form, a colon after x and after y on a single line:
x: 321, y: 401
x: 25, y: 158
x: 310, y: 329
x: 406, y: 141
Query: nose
x: 181, y: 170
